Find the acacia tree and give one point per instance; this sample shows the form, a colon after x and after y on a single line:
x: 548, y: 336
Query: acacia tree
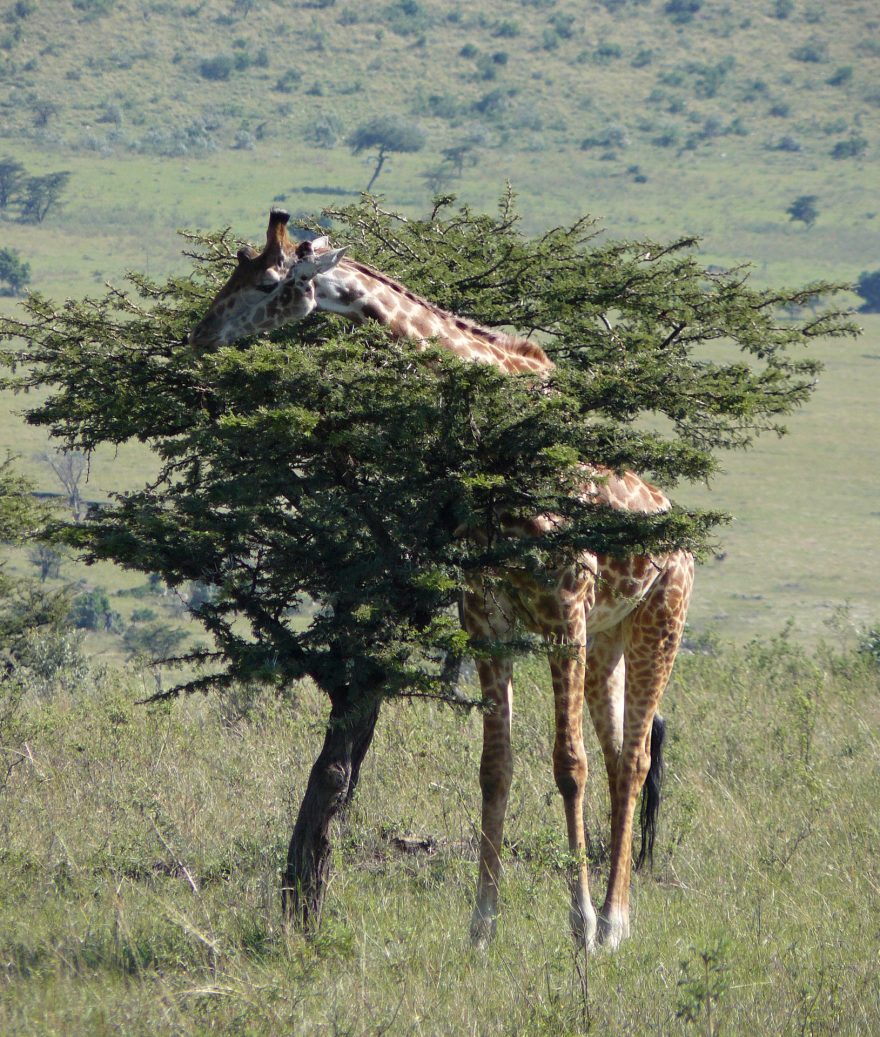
x: 386, y: 134
x: 332, y: 463
x: 804, y: 210
x: 12, y: 176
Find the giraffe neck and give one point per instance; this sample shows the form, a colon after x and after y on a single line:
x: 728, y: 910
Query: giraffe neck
x: 361, y: 293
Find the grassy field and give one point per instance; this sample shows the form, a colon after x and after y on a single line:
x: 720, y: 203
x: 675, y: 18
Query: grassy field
x: 141, y: 848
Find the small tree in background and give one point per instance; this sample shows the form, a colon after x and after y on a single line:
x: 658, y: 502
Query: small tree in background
x: 868, y: 287
x: 46, y: 560
x: 334, y: 464
x: 24, y: 605
x: 386, y: 134
x: 12, y: 176
x: 804, y: 210
x: 69, y: 468
x: 14, y: 271
x: 40, y: 194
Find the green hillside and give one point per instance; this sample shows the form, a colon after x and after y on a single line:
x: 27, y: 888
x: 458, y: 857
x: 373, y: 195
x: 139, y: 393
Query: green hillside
x: 659, y: 117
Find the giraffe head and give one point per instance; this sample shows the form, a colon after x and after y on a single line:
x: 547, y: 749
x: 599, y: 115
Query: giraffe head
x: 266, y: 289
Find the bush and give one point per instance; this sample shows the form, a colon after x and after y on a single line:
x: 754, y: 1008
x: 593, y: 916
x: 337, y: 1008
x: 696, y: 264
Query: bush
x: 216, y: 68
x: 783, y: 8
x: 804, y: 210
x: 869, y: 642
x: 855, y: 147
x: 868, y: 287
x: 812, y: 52
x: 607, y: 52
x: 785, y: 143
x: 841, y: 77
x: 325, y: 131
x: 289, y: 81
x: 682, y: 11
x: 92, y: 611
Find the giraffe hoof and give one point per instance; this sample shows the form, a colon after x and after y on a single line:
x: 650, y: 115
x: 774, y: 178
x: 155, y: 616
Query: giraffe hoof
x: 482, y: 929
x: 583, y: 926
x: 612, y: 931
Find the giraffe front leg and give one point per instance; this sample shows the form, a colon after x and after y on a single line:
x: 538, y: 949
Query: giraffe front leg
x: 570, y: 766
x: 496, y: 772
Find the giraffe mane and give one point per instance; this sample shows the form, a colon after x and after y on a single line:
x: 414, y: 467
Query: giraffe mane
x: 513, y: 344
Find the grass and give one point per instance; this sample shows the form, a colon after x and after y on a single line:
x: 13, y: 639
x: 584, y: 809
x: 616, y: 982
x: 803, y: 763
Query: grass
x: 141, y: 853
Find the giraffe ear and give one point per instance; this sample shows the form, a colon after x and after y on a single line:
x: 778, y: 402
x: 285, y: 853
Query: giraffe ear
x: 327, y: 260
x: 309, y: 265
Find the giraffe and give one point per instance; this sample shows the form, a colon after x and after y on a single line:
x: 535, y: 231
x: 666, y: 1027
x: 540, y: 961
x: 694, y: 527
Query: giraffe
x: 612, y: 626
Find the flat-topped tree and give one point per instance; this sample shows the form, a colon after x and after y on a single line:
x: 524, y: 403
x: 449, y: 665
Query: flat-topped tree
x: 386, y: 134
x: 355, y: 461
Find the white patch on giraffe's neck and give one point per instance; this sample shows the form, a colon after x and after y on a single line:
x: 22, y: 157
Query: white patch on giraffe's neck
x: 337, y: 293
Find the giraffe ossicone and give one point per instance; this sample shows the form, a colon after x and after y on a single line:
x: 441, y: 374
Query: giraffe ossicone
x: 612, y: 626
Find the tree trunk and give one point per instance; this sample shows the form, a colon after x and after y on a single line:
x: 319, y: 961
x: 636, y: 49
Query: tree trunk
x: 330, y: 788
x: 377, y: 170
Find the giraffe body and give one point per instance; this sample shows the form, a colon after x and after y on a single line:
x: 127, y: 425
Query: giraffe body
x: 612, y: 626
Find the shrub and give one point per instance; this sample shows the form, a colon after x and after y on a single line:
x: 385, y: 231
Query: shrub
x: 217, y: 68
x: 682, y: 11
x: 780, y: 110
x: 785, y: 143
x: 643, y: 57
x: 94, y: 8
x: 406, y: 17
x: 841, y: 77
x: 868, y: 287
x: 607, y: 52
x: 869, y: 642
x: 852, y: 148
x: 289, y: 81
x: 325, y: 131
x: 803, y: 209
x: 811, y: 52
x: 92, y: 611
x: 563, y: 25
x: 783, y: 8
x: 507, y: 29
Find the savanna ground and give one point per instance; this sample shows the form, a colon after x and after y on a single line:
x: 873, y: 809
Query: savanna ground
x: 141, y: 854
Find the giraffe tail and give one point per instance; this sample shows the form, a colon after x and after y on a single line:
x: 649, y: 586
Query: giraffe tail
x: 649, y: 809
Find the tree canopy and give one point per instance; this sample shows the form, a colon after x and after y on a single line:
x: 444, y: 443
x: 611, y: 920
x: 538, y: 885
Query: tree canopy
x: 386, y: 134
x: 329, y: 464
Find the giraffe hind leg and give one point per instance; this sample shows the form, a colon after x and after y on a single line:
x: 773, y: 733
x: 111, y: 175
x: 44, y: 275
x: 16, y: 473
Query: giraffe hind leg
x: 651, y: 636
x: 567, y: 640
x: 484, y: 619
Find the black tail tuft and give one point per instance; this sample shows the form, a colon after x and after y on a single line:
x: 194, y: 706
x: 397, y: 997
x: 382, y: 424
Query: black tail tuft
x: 651, y: 794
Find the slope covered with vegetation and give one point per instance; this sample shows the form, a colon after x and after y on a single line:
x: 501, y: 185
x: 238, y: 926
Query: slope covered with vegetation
x: 661, y: 117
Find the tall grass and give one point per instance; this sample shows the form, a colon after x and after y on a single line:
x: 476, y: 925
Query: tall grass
x: 141, y: 848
